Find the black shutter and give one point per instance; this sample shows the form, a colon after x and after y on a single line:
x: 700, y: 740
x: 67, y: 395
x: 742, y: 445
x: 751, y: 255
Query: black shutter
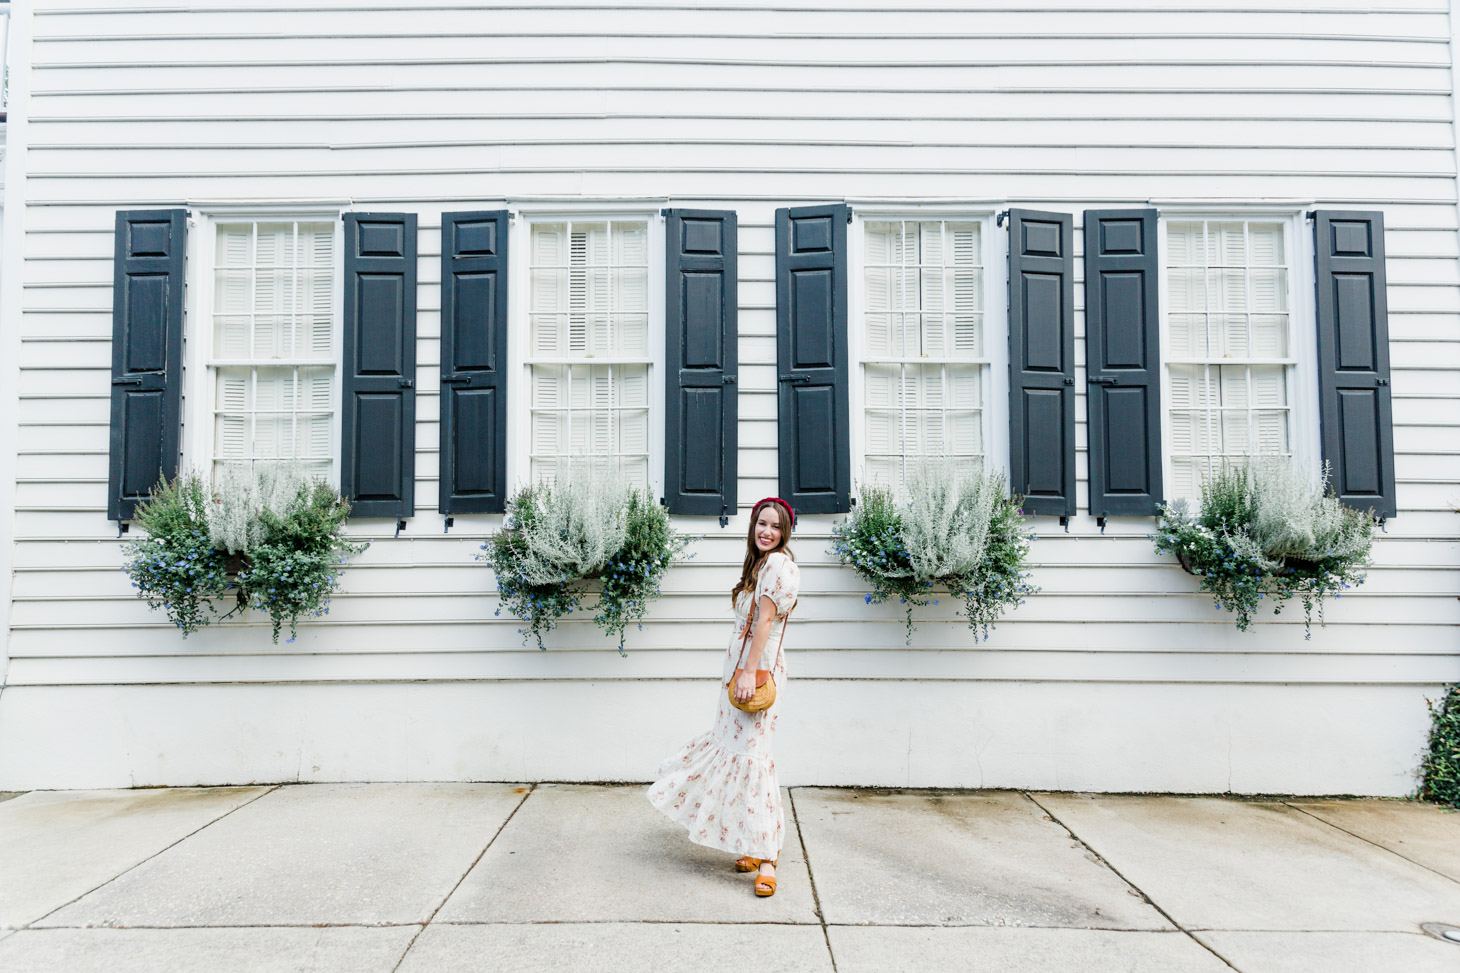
x: 473, y: 362
x: 147, y: 338
x: 1122, y: 359
x: 1353, y: 358
x: 700, y: 333
x: 811, y: 358
x: 378, y: 414
x: 1042, y: 361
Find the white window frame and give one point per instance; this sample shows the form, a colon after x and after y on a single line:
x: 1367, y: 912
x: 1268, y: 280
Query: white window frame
x: 995, y: 412
x: 519, y: 332
x: 200, y: 387
x: 1303, y: 418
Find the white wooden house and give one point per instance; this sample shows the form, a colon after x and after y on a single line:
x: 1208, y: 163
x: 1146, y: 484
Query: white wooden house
x: 432, y: 182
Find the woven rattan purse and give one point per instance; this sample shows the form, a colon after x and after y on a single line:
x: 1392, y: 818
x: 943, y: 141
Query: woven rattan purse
x: 765, y: 683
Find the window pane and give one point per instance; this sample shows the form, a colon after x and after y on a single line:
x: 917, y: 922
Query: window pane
x: 274, y: 301
x: 1235, y: 403
x: 924, y: 298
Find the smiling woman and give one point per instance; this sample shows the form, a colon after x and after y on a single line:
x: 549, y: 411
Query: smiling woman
x: 722, y: 785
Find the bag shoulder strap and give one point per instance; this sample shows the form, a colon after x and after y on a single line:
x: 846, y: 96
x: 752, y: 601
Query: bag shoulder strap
x: 750, y: 627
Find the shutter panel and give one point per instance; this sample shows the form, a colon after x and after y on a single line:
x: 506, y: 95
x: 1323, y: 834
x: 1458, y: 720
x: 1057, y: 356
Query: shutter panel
x: 1042, y: 361
x: 147, y: 337
x: 378, y: 399
x: 1353, y: 358
x: 811, y: 358
x: 1122, y: 359
x: 700, y: 439
x: 473, y: 362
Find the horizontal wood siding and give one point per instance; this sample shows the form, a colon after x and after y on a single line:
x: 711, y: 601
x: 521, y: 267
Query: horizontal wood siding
x: 747, y: 108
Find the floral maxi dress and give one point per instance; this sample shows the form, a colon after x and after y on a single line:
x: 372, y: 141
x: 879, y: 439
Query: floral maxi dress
x: 722, y: 785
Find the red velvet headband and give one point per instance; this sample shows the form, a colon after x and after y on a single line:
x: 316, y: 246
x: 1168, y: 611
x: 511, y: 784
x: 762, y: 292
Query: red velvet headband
x: 783, y: 503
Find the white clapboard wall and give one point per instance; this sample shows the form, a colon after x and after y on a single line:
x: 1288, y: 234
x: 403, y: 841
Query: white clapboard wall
x: 1118, y: 676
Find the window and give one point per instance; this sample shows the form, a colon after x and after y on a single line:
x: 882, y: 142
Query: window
x: 1229, y: 352
x: 589, y: 352
x: 924, y: 363
x: 274, y: 343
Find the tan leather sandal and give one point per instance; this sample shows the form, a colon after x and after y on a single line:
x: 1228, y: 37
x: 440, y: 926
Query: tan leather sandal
x: 765, y: 885
x: 747, y: 864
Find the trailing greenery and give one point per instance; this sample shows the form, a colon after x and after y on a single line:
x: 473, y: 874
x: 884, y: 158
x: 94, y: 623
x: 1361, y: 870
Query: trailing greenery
x: 282, y: 531
x: 1269, y: 532
x: 958, y: 529
x: 560, y: 539
x: 176, y: 567
x: 1440, y: 771
x: 295, y: 567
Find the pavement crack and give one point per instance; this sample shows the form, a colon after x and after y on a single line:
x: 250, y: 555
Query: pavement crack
x: 447, y: 897
x: 160, y: 851
x: 1139, y: 891
x: 1336, y: 827
x: 811, y: 878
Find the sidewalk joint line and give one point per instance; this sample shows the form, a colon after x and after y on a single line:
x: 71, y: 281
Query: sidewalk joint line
x: 1337, y: 827
x: 160, y: 851
x: 811, y: 878
x: 532, y: 789
x: 1142, y: 892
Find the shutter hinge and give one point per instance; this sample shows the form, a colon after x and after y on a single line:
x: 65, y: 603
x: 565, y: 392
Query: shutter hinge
x: 122, y: 527
x: 400, y: 525
x: 450, y: 521
x: 1101, y: 521
x: 407, y: 383
x: 724, y: 514
x: 666, y: 212
x: 1381, y: 381
x: 1312, y: 214
x: 849, y: 215
x: 999, y: 220
x: 728, y: 380
x: 1069, y: 381
x: 1065, y: 522
x: 1382, y: 521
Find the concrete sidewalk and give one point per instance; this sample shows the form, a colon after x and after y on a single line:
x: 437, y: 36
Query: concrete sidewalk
x: 438, y: 878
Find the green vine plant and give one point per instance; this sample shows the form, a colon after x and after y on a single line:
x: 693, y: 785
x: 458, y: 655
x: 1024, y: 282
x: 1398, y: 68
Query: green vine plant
x: 270, y: 536
x: 1440, y: 769
x: 1271, y: 532
x: 560, y: 540
x: 958, y: 530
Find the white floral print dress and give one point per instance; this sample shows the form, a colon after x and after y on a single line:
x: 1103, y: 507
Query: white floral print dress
x: 722, y: 785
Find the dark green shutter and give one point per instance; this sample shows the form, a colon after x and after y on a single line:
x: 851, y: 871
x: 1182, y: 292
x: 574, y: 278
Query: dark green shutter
x: 473, y: 362
x: 1122, y: 362
x: 147, y: 339
x: 1355, y: 408
x: 700, y: 333
x: 812, y: 358
x: 1042, y: 361
x: 378, y: 398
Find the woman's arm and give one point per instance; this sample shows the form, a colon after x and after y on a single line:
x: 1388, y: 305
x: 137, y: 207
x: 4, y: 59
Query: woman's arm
x: 765, y: 616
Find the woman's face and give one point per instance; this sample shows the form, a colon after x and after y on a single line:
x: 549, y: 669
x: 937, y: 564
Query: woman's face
x: 768, y: 528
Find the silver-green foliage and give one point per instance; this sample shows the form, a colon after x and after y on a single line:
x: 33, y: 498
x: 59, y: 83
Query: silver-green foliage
x: 586, y: 526
x: 946, y: 518
x: 578, y: 524
x: 243, y: 493
x: 1269, y: 532
x: 1295, y: 516
x: 957, y: 529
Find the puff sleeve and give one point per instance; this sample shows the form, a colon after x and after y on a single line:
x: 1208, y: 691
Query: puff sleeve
x: 780, y: 581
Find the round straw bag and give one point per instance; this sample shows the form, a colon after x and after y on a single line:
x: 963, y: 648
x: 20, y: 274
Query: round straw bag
x: 765, y: 683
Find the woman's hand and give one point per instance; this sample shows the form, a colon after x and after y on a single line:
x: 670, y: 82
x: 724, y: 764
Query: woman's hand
x: 745, y: 685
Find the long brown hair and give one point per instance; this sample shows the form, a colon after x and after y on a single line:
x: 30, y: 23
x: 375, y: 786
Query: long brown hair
x: 754, y: 557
